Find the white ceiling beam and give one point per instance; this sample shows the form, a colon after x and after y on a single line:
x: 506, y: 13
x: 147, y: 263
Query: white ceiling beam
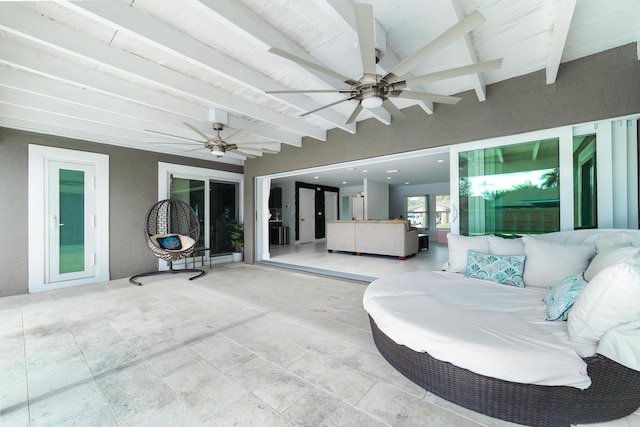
x: 33, y: 120
x: 164, y: 37
x: 477, y: 82
x: 35, y: 71
x: 559, y: 38
x: 85, y: 97
x: 23, y: 23
x: 27, y: 59
x: 246, y: 22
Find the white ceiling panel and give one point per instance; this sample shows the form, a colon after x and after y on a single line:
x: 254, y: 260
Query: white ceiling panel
x: 111, y: 71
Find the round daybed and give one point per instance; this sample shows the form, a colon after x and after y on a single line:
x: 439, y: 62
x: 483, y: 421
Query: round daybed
x: 493, y: 349
x: 614, y: 393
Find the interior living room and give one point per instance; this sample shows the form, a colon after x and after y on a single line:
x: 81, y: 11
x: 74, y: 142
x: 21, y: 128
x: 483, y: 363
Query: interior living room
x: 272, y: 124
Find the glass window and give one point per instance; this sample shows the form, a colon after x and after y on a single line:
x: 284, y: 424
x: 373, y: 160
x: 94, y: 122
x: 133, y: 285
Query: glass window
x: 443, y: 211
x: 417, y: 209
x: 510, y: 190
x: 585, y: 213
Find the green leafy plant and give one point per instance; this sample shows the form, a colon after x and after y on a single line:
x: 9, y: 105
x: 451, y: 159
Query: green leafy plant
x: 237, y: 235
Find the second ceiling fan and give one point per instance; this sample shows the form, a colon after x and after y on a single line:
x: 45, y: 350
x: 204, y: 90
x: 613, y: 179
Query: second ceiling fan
x: 373, y: 90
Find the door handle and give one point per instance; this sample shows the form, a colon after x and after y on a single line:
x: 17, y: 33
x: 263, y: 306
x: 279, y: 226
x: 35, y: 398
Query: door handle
x: 54, y: 222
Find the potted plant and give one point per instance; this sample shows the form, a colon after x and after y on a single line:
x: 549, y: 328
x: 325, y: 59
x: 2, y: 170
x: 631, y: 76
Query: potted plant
x: 237, y: 239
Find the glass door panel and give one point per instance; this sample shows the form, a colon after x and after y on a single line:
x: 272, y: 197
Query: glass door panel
x: 224, y: 209
x: 71, y: 231
x: 585, y: 206
x: 510, y: 190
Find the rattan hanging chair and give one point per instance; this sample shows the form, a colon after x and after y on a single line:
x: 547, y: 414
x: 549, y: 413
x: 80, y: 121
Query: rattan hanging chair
x: 171, y: 231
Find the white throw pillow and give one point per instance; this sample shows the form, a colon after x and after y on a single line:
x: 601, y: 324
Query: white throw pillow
x: 610, y: 299
x: 608, y: 257
x: 548, y: 263
x: 458, y: 247
x: 502, y: 246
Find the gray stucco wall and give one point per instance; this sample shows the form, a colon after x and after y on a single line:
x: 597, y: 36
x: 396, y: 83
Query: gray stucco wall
x: 600, y: 86
x: 133, y: 188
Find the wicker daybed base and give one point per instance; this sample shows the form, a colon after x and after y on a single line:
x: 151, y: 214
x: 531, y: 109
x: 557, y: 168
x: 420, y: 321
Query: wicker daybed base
x: 614, y: 393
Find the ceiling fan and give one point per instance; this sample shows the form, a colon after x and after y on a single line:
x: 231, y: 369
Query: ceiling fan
x: 373, y: 90
x: 220, y: 147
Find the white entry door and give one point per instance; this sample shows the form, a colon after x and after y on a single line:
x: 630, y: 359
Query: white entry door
x: 71, y: 214
x: 306, y: 214
x: 68, y: 218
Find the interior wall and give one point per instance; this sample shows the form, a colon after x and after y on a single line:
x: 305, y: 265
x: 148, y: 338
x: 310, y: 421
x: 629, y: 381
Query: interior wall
x: 600, y: 86
x: 133, y: 188
x: 397, y: 194
x: 376, y: 199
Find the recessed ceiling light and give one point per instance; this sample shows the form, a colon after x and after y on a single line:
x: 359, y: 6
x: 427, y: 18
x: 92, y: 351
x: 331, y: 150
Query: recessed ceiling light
x: 316, y: 177
x: 364, y: 171
x: 440, y: 160
x: 344, y: 182
x: 388, y: 177
x: 407, y: 183
x: 393, y: 171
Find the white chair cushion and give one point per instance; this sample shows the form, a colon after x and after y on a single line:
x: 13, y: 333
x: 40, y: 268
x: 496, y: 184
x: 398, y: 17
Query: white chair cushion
x: 501, y: 246
x: 608, y: 257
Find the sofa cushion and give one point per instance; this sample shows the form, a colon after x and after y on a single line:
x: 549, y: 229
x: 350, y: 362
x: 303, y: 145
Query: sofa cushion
x: 458, y: 247
x: 501, y: 246
x: 505, y: 269
x: 608, y: 257
x: 548, y: 263
x: 561, y: 297
x: 610, y: 299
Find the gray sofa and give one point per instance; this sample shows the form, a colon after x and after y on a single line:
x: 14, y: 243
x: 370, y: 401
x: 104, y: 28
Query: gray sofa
x: 379, y: 237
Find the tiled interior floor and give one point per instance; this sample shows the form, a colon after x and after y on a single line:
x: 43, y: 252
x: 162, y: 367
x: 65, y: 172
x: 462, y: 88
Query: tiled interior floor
x: 315, y: 255
x: 243, y: 345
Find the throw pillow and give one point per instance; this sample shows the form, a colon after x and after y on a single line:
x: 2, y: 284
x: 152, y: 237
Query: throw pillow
x: 505, y: 269
x: 611, y: 299
x: 170, y: 242
x: 502, y: 246
x: 458, y: 247
x: 549, y: 262
x: 607, y: 257
x: 561, y: 297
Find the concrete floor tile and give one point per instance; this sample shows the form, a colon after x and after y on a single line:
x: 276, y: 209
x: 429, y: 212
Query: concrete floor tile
x: 248, y: 410
x: 222, y: 352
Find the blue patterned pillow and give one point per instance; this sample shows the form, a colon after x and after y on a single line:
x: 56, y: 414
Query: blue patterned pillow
x: 171, y: 242
x: 561, y: 297
x: 505, y: 269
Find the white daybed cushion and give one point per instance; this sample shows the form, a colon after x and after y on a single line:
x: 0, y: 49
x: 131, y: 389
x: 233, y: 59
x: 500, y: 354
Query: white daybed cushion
x: 501, y: 246
x: 548, y: 263
x: 622, y: 344
x: 611, y: 298
x: 488, y: 328
x: 608, y: 257
x: 458, y: 247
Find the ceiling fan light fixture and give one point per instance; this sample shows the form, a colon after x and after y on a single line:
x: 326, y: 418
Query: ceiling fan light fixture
x: 217, y: 151
x: 373, y: 101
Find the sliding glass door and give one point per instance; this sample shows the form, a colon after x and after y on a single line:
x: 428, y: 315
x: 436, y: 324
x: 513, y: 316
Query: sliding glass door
x: 216, y: 205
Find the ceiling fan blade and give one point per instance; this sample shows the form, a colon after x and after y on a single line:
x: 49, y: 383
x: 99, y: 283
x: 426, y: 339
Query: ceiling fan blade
x: 453, y: 72
x: 458, y: 30
x: 393, y: 110
x: 269, y: 145
x: 237, y: 155
x: 310, y: 91
x: 248, y: 152
x: 236, y: 134
x: 174, y: 136
x: 179, y: 143
x: 196, y: 130
x: 311, y: 65
x: 326, y: 106
x: 355, y: 114
x: 423, y: 96
x: 366, y: 39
